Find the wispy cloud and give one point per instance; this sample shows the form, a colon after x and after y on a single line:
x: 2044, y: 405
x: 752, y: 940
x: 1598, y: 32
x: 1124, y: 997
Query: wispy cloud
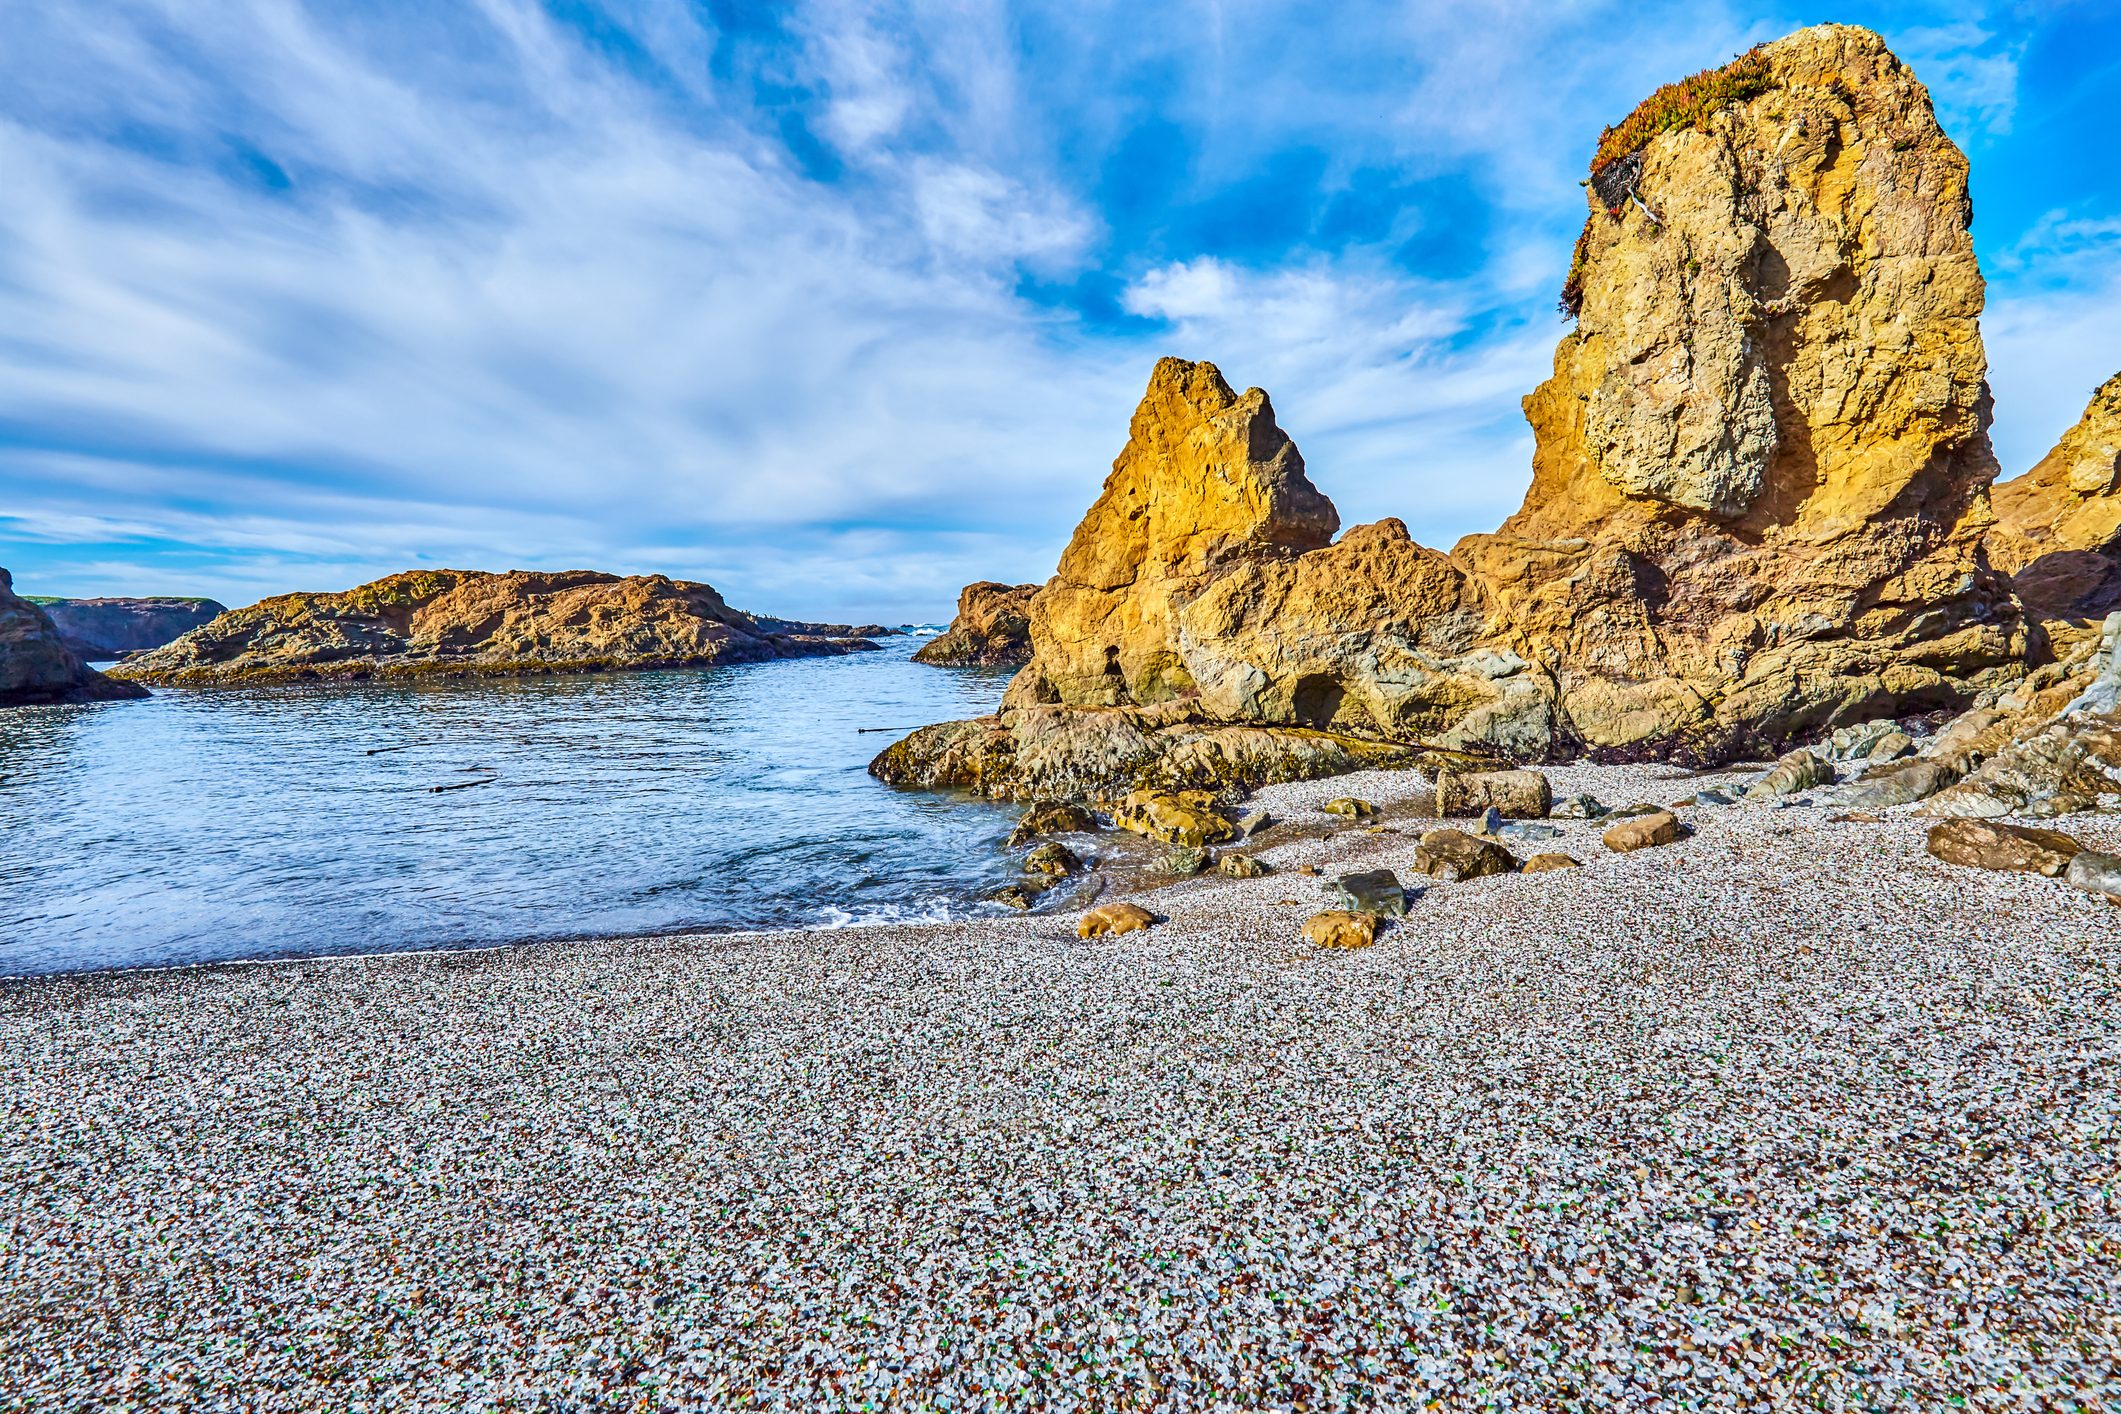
x: 837, y: 304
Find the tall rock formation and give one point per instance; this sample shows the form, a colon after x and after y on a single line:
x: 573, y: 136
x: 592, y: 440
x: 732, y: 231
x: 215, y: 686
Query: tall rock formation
x: 1758, y: 495
x: 2058, y: 527
x: 37, y: 667
x: 107, y: 628
x: 463, y: 623
x: 992, y: 628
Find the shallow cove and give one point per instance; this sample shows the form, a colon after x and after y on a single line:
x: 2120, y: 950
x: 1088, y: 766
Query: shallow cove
x: 235, y: 824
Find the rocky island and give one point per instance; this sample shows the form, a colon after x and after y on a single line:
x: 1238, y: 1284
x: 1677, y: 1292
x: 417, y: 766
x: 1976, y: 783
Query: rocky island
x: 464, y: 623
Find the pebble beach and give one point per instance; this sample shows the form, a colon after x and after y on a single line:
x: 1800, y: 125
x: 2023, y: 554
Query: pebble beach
x: 1785, y: 1115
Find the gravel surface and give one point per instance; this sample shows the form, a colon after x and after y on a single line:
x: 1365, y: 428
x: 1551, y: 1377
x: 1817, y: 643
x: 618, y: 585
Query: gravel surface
x: 1786, y: 1115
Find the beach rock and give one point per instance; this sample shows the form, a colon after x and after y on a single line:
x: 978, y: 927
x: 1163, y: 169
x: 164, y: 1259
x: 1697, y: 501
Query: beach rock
x: 1985, y: 844
x: 1114, y: 918
x: 2068, y: 765
x: 1453, y: 855
x: 2095, y: 873
x: 1052, y: 859
x: 1183, y: 861
x: 1370, y: 891
x: 99, y: 629
x: 1854, y: 743
x: 992, y: 628
x: 1190, y: 818
x: 1893, y: 746
x: 1338, y: 928
x: 1541, y: 863
x: 1241, y: 866
x: 1017, y: 896
x: 1642, y: 831
x: 36, y: 666
x: 1051, y: 817
x: 1760, y: 482
x: 1252, y: 822
x: 1800, y: 770
x: 2058, y: 527
x: 1349, y: 806
x: 1713, y: 796
x: 1520, y: 794
x: 461, y: 623
x: 1578, y: 807
x: 1903, y: 784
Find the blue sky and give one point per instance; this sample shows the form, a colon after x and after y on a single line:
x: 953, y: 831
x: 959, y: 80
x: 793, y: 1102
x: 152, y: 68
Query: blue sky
x: 839, y: 306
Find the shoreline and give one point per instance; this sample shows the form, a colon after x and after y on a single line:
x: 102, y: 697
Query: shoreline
x: 1786, y: 1107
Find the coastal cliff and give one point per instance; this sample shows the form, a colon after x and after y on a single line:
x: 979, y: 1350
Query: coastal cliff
x: 463, y: 623
x: 109, y: 628
x: 1759, y: 489
x: 37, y: 667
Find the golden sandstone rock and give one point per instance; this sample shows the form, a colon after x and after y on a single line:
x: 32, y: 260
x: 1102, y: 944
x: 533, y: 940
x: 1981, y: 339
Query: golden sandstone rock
x: 992, y: 628
x: 1114, y: 918
x: 1518, y: 795
x: 1759, y: 490
x: 1337, y: 928
x: 2058, y: 527
x: 1643, y: 831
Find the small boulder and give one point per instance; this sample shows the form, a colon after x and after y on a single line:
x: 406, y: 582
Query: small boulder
x: 1857, y: 742
x: 1015, y: 896
x: 1521, y: 795
x: 1894, y: 746
x: 1541, y: 863
x: 1052, y: 859
x: 1800, y: 770
x: 1338, y: 928
x: 1452, y: 855
x: 1578, y: 807
x: 1988, y: 844
x: 1349, y: 806
x: 1714, y: 797
x: 1252, y: 822
x: 1113, y: 918
x: 2095, y: 873
x: 1312, y: 869
x: 1241, y: 866
x: 1051, y: 817
x: 1184, y: 861
x: 1190, y: 818
x: 1643, y: 831
x: 1371, y: 891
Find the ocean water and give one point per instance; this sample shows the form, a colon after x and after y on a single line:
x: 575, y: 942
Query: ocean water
x: 272, y: 822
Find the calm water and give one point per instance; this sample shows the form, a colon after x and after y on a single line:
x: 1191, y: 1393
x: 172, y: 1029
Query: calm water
x: 271, y: 822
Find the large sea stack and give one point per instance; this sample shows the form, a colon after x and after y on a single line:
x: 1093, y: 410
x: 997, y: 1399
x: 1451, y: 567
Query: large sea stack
x: 1759, y: 490
x: 463, y: 623
x: 37, y: 667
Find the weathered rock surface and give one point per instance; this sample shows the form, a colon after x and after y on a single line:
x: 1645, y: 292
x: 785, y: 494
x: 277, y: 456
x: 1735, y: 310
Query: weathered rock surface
x: 1452, y: 855
x: 1375, y: 891
x: 465, y: 623
x: 99, y: 629
x: 1985, y: 844
x: 1543, y: 863
x: 1350, y: 806
x: 1052, y: 859
x: 1643, y: 831
x: 2058, y: 527
x: 1516, y: 795
x: 1794, y: 771
x: 1339, y: 928
x: 37, y: 667
x: 1113, y: 918
x: 992, y: 628
x: 1242, y: 866
x: 1759, y: 487
x: 1051, y: 817
x: 1188, y: 818
x: 2095, y: 873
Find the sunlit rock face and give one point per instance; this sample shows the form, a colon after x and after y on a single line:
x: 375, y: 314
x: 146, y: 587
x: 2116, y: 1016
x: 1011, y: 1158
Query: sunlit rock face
x: 2058, y: 527
x: 1759, y: 489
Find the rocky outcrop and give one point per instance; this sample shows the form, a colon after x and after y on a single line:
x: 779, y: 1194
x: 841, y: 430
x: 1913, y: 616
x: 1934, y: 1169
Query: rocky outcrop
x: 463, y: 623
x: 37, y: 667
x: 99, y: 629
x: 992, y: 628
x: 1759, y: 486
x: 2058, y: 527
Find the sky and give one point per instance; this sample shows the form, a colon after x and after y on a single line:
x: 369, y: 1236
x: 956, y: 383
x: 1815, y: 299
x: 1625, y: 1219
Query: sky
x: 840, y: 306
